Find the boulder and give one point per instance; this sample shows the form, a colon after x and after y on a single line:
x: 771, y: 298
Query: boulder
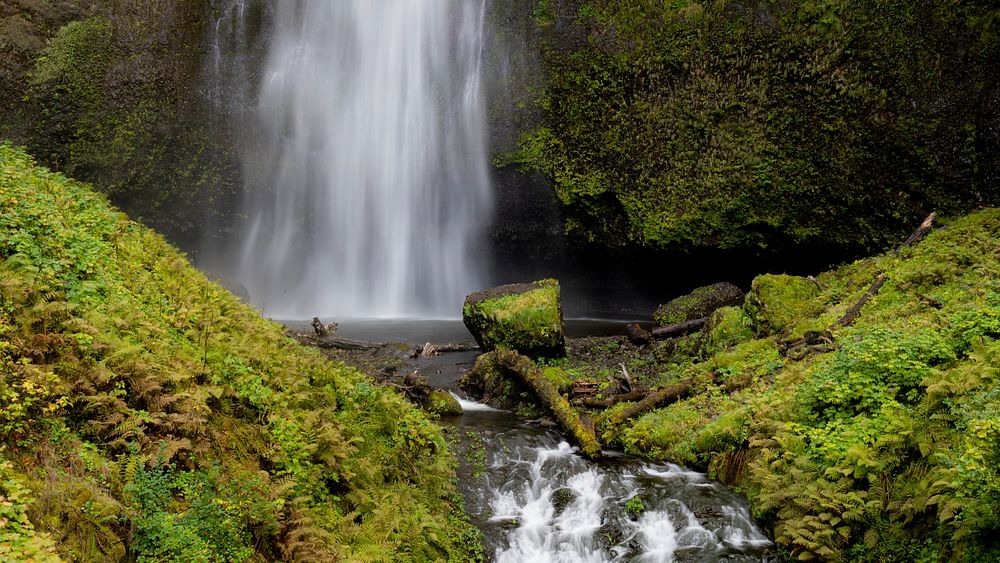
x: 776, y: 302
x: 523, y: 317
x: 443, y: 403
x: 698, y: 304
x: 487, y: 382
x: 727, y: 327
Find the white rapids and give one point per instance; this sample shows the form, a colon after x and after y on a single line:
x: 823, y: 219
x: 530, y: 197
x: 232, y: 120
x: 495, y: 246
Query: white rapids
x: 552, y: 506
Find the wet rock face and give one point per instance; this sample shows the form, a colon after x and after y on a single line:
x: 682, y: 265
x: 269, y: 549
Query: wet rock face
x: 524, y: 317
x: 698, y: 304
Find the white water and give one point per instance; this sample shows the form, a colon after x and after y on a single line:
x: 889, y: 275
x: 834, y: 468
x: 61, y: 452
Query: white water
x: 686, y: 517
x: 368, y: 185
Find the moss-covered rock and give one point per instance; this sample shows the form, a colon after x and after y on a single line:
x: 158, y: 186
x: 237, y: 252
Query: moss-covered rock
x: 524, y: 317
x: 727, y: 327
x: 443, y: 403
x: 698, y: 304
x: 486, y: 382
x: 776, y: 302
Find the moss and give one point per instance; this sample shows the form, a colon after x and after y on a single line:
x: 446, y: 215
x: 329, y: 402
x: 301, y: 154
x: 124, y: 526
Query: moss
x: 526, y: 318
x: 765, y: 127
x: 726, y: 328
x: 776, y: 302
x: 442, y: 403
x: 664, y: 433
x: 143, y: 388
x: 558, y: 376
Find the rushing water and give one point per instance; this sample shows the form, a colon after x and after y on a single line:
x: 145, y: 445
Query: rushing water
x: 538, y: 501
x: 368, y: 183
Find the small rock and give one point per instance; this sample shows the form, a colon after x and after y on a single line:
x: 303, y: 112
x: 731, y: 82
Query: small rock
x: 442, y: 403
x: 561, y: 498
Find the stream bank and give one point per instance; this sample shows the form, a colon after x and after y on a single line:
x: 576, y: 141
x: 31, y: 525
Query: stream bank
x: 531, y: 493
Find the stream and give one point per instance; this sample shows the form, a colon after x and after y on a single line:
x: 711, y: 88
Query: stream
x: 536, y: 500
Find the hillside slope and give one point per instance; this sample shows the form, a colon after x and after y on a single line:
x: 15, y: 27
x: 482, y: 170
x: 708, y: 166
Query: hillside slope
x: 145, y: 413
x: 871, y: 440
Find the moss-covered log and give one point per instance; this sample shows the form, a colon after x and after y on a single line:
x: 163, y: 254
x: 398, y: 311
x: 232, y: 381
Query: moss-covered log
x: 578, y: 427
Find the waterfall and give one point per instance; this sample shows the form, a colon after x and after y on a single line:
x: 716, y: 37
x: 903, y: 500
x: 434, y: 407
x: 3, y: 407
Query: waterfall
x: 367, y: 180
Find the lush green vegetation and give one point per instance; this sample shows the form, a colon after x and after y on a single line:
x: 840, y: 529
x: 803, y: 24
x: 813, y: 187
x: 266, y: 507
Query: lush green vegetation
x: 885, y: 445
x: 147, y: 414
x: 765, y: 125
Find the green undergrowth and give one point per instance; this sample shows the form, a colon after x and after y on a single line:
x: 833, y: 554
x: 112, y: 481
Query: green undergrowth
x: 882, y: 447
x: 146, y: 414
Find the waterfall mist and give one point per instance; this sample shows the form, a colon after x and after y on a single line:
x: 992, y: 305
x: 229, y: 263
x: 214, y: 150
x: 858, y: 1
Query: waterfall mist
x: 367, y: 174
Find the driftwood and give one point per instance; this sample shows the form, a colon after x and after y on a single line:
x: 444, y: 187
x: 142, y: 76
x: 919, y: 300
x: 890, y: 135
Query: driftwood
x: 852, y: 314
x: 580, y: 388
x: 679, y: 329
x: 580, y: 428
x: 337, y: 343
x: 918, y: 234
x: 438, y: 349
x: 639, y: 336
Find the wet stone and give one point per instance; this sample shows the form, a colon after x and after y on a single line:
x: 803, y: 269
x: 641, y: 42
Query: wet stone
x: 561, y: 498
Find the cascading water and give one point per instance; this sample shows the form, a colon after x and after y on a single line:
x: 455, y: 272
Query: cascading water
x: 537, y: 501
x: 369, y: 181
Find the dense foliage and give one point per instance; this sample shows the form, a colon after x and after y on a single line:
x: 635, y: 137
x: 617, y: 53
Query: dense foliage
x: 885, y: 445
x: 766, y: 124
x: 147, y: 414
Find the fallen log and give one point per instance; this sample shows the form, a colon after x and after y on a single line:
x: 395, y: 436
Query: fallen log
x: 918, y: 234
x: 671, y: 393
x: 607, y: 402
x: 451, y: 347
x: 854, y: 312
x: 580, y: 428
x: 336, y: 342
x: 662, y: 396
x: 679, y: 329
x: 640, y: 337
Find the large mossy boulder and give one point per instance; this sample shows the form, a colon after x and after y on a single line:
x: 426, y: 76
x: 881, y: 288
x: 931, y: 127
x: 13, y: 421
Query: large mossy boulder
x: 727, y: 327
x: 776, y: 302
x: 524, y: 317
x: 698, y: 304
